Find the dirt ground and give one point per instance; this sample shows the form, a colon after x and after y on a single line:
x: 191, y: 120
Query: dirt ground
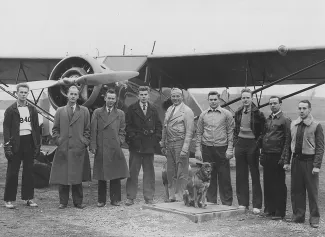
x: 48, y: 220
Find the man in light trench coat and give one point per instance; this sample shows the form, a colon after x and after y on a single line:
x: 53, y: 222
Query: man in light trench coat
x: 71, y: 165
x: 107, y: 136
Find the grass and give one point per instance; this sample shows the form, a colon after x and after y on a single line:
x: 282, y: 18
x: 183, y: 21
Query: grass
x: 48, y: 220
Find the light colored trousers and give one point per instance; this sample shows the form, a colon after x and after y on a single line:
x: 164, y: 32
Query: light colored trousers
x: 177, y: 170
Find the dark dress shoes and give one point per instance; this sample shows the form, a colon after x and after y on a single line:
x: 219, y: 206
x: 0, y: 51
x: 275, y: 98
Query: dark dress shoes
x: 62, y: 206
x: 115, y: 203
x: 266, y: 214
x: 149, y: 202
x: 80, y: 206
x: 129, y: 202
x: 101, y: 204
x: 277, y: 218
x: 314, y: 225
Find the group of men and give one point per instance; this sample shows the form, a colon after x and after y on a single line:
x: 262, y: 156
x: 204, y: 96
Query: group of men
x: 249, y: 136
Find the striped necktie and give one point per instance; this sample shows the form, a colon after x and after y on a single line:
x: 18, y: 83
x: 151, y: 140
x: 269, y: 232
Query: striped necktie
x: 171, y: 114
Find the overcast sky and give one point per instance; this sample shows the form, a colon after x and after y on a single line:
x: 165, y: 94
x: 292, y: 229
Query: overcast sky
x: 40, y: 28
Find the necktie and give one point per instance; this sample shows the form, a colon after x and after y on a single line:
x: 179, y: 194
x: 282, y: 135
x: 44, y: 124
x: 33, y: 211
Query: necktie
x: 71, y: 112
x: 108, y: 111
x: 144, y: 109
x: 171, y: 114
x: 245, y: 110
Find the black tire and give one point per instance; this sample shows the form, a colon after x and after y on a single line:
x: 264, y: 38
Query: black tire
x: 41, y: 173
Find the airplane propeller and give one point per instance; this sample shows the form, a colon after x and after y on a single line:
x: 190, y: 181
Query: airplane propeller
x: 104, y: 78
x: 88, y: 79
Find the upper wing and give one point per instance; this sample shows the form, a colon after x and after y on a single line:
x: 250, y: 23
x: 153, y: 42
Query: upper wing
x: 232, y: 69
x: 16, y: 70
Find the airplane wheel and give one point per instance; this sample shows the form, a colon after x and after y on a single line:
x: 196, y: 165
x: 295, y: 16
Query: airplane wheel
x: 41, y: 173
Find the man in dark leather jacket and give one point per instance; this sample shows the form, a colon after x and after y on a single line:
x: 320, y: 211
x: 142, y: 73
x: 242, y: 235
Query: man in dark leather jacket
x: 21, y: 134
x: 275, y: 151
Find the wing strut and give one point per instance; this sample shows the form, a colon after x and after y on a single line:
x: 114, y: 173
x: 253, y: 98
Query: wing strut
x: 250, y: 72
x: 277, y: 81
x: 41, y: 111
x: 17, y: 77
x: 22, y: 68
x: 297, y: 92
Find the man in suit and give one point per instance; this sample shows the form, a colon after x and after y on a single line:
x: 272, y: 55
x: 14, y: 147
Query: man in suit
x: 21, y: 135
x: 107, y: 136
x: 143, y: 132
x: 176, y: 138
x: 71, y: 165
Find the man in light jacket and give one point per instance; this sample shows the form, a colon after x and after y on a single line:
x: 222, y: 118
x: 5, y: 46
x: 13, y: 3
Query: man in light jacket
x: 176, y: 138
x: 307, y: 145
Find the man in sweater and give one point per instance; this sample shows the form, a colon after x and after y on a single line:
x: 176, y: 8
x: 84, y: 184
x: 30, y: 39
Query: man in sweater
x: 214, y: 142
x: 21, y: 134
x: 248, y: 134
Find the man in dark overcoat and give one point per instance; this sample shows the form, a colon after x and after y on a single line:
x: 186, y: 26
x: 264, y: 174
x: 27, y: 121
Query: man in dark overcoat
x: 71, y: 165
x: 143, y: 133
x: 107, y: 136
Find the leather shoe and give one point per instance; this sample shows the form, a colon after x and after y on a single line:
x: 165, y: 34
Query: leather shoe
x: 115, y: 203
x: 101, y: 204
x: 9, y: 205
x: 31, y: 203
x: 170, y: 200
x: 80, y: 206
x: 277, y: 218
x: 62, y: 206
x: 149, y: 202
x: 314, y: 225
x: 266, y: 214
x: 129, y: 202
x: 294, y: 221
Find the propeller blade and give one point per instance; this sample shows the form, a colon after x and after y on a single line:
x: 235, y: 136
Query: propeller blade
x: 106, y: 77
x: 33, y: 85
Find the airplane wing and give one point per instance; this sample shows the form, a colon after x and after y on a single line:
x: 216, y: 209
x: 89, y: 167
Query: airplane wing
x: 16, y: 70
x: 230, y: 69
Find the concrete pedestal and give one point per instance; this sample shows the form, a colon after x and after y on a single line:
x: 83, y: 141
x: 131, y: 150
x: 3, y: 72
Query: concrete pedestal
x: 212, y: 211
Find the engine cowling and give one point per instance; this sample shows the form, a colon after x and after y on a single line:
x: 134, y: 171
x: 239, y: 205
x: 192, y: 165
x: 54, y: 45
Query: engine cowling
x: 75, y: 66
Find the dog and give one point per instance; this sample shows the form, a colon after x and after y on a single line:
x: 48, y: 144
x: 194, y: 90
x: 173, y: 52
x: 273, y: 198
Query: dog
x: 165, y: 180
x: 197, y: 186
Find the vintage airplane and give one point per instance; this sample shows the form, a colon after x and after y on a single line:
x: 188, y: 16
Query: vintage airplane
x: 94, y: 75
x: 226, y: 69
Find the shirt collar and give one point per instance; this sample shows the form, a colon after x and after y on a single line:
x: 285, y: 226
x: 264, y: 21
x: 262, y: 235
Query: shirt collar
x: 216, y: 109
x: 249, y: 109
x: 109, y: 109
x: 73, y: 106
x: 141, y: 104
x: 19, y: 105
x: 276, y: 115
x: 176, y: 107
